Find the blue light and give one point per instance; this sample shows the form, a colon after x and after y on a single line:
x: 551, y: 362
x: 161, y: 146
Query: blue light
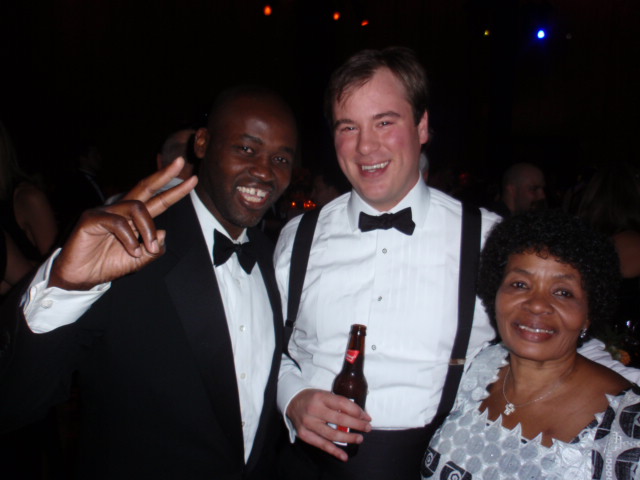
x: 541, y: 34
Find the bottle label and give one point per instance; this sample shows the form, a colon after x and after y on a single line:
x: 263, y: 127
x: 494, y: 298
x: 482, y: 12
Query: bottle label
x: 352, y: 355
x: 340, y: 427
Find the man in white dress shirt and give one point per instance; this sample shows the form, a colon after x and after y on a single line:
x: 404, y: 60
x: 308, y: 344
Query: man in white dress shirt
x: 402, y: 286
x: 177, y: 362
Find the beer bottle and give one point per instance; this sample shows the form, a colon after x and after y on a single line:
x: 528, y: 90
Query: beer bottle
x: 350, y: 382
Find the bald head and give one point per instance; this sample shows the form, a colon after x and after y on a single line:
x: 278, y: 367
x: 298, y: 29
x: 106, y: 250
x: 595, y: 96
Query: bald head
x: 225, y: 104
x: 247, y: 153
x: 523, y: 188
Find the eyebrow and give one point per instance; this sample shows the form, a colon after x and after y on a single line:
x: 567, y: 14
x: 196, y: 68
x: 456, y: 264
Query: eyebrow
x: 259, y: 141
x: 246, y: 136
x: 563, y: 276
x: 377, y: 116
x: 389, y: 113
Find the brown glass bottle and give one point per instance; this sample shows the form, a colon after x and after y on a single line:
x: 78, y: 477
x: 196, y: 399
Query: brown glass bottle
x: 350, y: 382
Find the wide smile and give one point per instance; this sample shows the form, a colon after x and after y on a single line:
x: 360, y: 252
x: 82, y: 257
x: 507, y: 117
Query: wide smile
x: 375, y: 168
x: 254, y: 195
x: 535, y: 330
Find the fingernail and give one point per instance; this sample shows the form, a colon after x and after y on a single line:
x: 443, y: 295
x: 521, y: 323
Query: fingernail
x: 155, y: 248
x: 137, y: 252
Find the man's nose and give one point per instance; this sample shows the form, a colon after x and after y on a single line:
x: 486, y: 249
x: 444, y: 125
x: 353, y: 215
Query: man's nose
x: 262, y: 168
x: 367, y: 142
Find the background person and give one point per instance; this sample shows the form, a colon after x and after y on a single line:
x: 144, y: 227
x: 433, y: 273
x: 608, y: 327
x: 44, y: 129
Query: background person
x: 611, y: 205
x: 178, y: 144
x: 25, y: 212
x: 523, y: 187
x: 13, y: 266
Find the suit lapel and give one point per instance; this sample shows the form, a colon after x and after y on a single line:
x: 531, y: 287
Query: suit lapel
x: 194, y: 291
x: 265, y: 263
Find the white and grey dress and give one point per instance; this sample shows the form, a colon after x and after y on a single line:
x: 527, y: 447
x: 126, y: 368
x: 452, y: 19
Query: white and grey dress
x: 469, y: 445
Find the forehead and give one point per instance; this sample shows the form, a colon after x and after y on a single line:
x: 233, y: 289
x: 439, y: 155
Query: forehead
x: 532, y: 176
x: 535, y: 262
x: 384, y: 88
x: 256, y: 115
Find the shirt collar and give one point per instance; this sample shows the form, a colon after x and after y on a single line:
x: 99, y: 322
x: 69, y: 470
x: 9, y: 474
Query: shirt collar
x: 417, y: 198
x: 208, y: 222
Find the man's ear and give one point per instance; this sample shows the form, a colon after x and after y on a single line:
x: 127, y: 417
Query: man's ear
x: 201, y: 142
x: 423, y: 128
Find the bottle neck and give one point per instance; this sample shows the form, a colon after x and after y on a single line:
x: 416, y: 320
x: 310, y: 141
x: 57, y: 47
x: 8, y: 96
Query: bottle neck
x: 354, y: 356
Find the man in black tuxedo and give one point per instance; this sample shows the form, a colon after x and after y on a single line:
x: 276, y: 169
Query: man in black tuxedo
x: 177, y: 362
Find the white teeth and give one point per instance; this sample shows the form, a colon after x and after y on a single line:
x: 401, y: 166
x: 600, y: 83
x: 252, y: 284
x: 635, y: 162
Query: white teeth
x: 536, y: 330
x: 253, y: 194
x: 377, y: 166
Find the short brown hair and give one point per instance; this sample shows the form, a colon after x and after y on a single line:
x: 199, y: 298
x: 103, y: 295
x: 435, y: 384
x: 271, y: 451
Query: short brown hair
x: 361, y: 67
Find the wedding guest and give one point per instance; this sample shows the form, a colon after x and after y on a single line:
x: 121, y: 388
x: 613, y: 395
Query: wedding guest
x: 173, y: 326
x: 532, y: 406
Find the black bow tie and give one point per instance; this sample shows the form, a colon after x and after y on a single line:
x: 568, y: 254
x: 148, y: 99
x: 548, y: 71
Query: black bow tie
x: 401, y: 221
x: 223, y: 248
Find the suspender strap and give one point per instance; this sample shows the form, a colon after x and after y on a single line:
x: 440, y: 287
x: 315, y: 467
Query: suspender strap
x: 298, y: 269
x: 469, y: 254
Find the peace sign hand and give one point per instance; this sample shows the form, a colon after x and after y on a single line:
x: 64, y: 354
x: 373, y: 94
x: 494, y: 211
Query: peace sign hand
x: 113, y: 241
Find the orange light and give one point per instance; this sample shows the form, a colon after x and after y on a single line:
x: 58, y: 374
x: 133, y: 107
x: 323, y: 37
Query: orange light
x: 293, y: 205
x: 268, y: 10
x: 336, y: 15
x: 364, y: 23
x: 309, y: 205
x: 487, y: 32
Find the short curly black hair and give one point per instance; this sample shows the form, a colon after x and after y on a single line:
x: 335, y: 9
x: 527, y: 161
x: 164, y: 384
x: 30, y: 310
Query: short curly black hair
x: 568, y: 239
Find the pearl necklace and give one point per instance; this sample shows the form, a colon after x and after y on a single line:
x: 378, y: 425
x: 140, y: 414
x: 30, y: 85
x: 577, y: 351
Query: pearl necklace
x: 509, y: 407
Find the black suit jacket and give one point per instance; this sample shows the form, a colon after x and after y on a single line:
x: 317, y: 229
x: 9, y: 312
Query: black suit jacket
x: 155, y: 370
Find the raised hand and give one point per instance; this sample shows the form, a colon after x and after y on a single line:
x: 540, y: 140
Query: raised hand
x: 105, y: 243
x: 311, y: 410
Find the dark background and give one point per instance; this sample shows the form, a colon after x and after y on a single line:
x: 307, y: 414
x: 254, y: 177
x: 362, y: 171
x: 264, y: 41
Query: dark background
x: 123, y: 73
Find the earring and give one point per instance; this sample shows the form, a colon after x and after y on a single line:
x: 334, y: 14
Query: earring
x: 583, y: 333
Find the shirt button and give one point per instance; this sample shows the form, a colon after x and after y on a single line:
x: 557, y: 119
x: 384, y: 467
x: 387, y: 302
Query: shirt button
x: 243, y: 376
x: 242, y: 328
x: 47, y: 303
x: 384, y: 250
x: 373, y: 347
x: 379, y: 299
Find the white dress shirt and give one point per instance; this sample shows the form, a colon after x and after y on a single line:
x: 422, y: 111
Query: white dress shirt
x: 245, y: 302
x: 403, y: 288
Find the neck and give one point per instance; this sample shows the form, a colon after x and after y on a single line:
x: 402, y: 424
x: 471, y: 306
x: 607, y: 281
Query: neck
x: 528, y: 377
x: 234, y: 231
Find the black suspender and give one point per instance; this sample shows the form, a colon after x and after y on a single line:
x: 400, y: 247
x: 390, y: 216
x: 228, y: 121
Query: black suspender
x: 469, y: 253
x: 298, y: 269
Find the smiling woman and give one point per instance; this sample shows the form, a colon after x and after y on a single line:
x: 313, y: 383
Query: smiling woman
x: 532, y: 406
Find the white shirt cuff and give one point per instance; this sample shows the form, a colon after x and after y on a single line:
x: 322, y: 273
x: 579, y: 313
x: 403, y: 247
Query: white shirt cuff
x: 289, y: 385
x: 47, y: 308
